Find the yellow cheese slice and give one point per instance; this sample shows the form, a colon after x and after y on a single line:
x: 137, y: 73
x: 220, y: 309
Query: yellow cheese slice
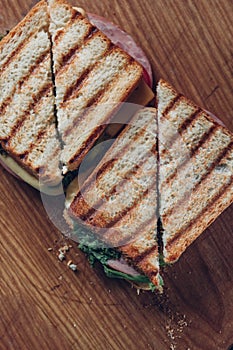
x: 30, y: 179
x: 142, y: 95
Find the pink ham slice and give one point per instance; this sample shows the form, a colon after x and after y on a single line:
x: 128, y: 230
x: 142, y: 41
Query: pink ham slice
x: 216, y: 119
x: 122, y: 266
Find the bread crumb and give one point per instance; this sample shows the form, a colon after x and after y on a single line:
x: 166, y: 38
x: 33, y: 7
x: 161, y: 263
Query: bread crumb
x: 72, y: 266
x: 61, y: 256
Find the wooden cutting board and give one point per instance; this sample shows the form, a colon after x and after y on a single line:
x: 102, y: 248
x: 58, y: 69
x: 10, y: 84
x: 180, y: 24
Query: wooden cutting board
x: 43, y: 304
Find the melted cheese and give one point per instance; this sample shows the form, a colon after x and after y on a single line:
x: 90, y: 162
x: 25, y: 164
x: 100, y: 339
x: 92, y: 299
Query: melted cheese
x: 80, y: 10
x: 28, y: 178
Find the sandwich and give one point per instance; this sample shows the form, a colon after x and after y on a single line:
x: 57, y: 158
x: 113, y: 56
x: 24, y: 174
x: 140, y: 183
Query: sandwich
x: 28, y: 136
x: 196, y: 170
x: 62, y: 79
x: 166, y: 172
x: 118, y: 203
x: 153, y: 217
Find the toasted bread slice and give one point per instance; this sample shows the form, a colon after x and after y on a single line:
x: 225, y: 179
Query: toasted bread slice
x: 119, y: 199
x: 196, y: 170
x: 27, y: 99
x: 92, y: 76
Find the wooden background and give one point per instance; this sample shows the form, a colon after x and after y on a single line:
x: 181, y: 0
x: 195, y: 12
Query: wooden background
x: 43, y: 304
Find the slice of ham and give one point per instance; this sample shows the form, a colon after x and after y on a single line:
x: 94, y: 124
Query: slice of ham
x: 122, y: 266
x: 124, y: 41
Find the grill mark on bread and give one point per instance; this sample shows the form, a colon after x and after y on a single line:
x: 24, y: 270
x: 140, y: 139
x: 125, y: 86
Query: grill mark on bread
x: 60, y: 34
x: 223, y: 153
x: 70, y: 91
x: 24, y: 79
x: 140, y: 257
x: 25, y: 155
x: 36, y: 99
x: 67, y: 58
x: 32, y: 69
x: 90, y: 104
x: 107, y: 166
x: 182, y: 128
x: 121, y: 214
x: 194, y: 220
x: 88, y: 211
x: 123, y: 243
x: 87, y: 144
x: 17, y: 51
x: 207, y: 135
x: 125, y: 177
x: 73, y: 90
x: 189, y: 120
x: 171, y: 104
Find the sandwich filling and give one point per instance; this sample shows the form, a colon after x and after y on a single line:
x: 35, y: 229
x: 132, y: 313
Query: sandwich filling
x: 112, y: 261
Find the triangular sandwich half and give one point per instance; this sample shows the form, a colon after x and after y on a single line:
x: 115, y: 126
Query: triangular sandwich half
x: 196, y: 170
x: 92, y: 77
x: 118, y: 201
x: 28, y: 136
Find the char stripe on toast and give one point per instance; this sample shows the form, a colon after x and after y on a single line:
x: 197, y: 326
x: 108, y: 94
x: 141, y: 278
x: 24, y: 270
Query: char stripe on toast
x: 194, y: 152
x: 126, y: 148
x: 213, y: 200
x: 69, y: 56
x: 211, y: 168
x: 131, y: 246
x: 17, y: 52
x: 73, y: 91
x: 75, y: 16
x: 172, y: 103
x: 194, y: 171
x: 22, y: 33
x: 189, y: 120
x: 17, y: 88
x: 19, y: 123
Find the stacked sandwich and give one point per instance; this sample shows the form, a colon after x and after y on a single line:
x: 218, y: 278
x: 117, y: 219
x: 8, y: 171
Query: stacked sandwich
x: 165, y: 178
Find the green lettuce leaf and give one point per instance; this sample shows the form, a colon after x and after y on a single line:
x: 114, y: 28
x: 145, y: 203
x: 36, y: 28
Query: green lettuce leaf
x: 97, y: 251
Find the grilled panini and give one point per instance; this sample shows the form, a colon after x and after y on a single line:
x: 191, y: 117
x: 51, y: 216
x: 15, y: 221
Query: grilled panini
x: 196, y: 170
x: 92, y: 76
x: 27, y: 129
x: 118, y: 200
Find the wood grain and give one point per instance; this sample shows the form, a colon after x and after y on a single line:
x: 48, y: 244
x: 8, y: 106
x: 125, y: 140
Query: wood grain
x: 43, y: 304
